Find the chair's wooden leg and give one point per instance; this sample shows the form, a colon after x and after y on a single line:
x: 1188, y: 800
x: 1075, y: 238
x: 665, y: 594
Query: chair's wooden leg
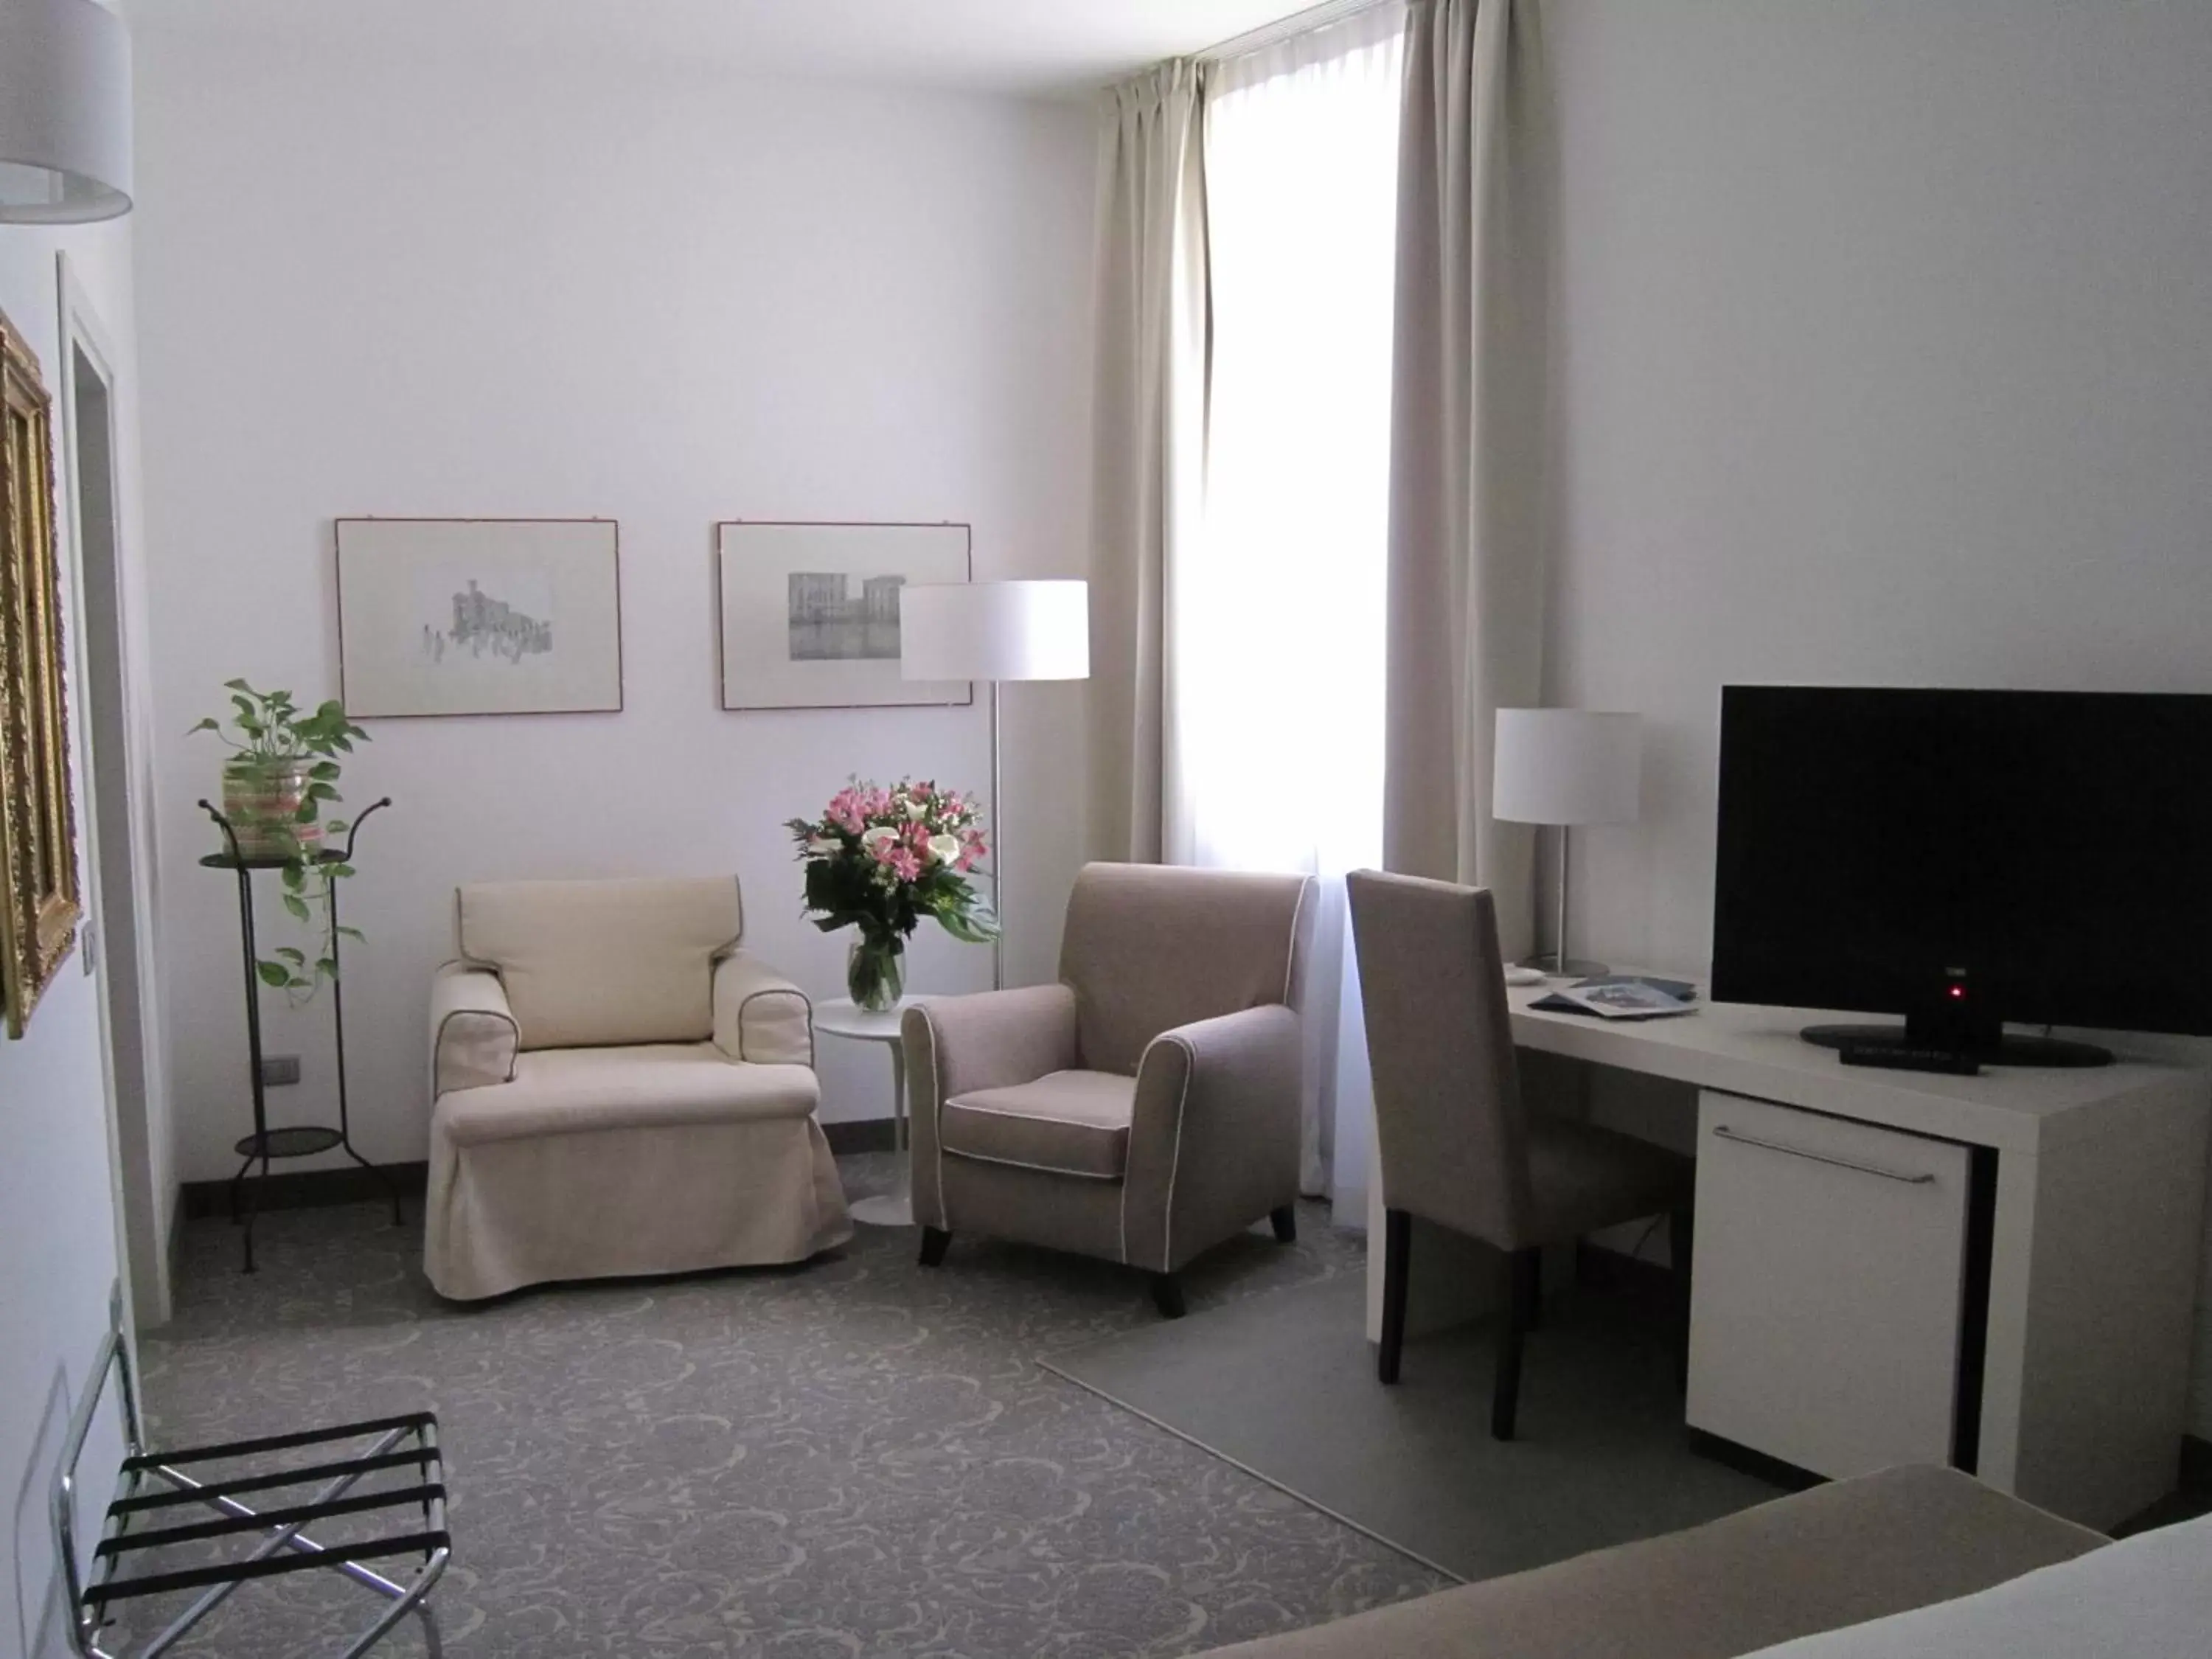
x: 1528, y: 1287
x: 1681, y: 1242
x: 1397, y: 1253
x: 1167, y: 1295
x: 1505, y: 1397
x: 935, y: 1240
x: 1285, y: 1221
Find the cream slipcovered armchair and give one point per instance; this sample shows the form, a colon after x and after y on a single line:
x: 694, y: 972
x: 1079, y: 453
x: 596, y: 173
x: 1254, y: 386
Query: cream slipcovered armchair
x: 618, y: 1089
x: 1143, y: 1109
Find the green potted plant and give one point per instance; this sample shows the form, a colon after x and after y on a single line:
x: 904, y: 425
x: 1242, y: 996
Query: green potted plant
x: 282, y: 772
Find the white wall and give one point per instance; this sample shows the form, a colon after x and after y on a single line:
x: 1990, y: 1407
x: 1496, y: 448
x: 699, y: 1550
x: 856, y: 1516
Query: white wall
x: 58, y: 1239
x: 1887, y: 335
x: 383, y: 288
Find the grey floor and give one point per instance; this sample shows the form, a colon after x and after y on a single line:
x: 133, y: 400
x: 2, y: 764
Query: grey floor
x: 1284, y: 1384
x: 856, y: 1458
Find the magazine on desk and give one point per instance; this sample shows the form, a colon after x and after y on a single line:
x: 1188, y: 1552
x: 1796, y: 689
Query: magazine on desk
x: 1622, y: 996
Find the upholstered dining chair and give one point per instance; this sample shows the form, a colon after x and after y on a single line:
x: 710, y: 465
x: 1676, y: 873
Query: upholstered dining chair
x: 1458, y: 1147
x: 1144, y: 1108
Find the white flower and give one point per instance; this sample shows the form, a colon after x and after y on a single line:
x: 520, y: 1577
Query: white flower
x: 916, y: 809
x: 872, y: 839
x: 943, y: 848
x: 821, y: 847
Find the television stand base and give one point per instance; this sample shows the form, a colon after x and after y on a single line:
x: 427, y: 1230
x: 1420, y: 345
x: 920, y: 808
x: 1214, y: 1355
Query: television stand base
x: 2005, y: 1050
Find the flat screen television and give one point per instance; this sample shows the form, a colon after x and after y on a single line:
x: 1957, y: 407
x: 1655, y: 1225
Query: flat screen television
x: 1967, y: 859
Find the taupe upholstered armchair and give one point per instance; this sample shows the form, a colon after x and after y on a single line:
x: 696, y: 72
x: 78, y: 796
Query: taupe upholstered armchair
x: 617, y: 1088
x: 1144, y: 1108
x: 1458, y: 1147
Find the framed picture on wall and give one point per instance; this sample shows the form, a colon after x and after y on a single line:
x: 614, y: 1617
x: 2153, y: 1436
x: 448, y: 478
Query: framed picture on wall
x: 810, y: 612
x: 479, y: 616
x: 40, y: 898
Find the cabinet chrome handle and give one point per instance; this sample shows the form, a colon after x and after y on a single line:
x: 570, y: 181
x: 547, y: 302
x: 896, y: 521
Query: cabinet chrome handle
x: 1721, y: 1131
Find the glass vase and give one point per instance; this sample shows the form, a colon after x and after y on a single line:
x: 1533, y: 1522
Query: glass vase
x: 875, y: 973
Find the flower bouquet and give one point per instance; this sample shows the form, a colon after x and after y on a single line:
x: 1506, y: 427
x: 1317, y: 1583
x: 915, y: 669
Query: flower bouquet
x: 880, y: 860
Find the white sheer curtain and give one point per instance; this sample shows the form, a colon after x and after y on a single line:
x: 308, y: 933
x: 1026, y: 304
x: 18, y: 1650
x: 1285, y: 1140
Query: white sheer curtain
x: 1276, y: 614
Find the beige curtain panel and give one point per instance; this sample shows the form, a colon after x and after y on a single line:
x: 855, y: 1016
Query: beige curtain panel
x: 1467, y: 487
x: 1150, y: 439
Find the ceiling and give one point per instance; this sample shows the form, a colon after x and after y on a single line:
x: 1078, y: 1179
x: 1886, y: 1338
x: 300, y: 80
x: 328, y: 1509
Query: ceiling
x: 1032, y: 47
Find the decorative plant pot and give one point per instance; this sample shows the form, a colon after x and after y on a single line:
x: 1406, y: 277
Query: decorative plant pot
x: 261, y: 799
x: 875, y: 973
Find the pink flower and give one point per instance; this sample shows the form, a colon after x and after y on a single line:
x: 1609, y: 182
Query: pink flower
x: 902, y: 862
x: 845, y: 811
x: 972, y: 848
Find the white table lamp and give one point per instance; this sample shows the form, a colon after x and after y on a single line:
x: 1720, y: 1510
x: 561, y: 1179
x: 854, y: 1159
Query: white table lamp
x: 1565, y: 767
x: 64, y: 113
x: 995, y: 631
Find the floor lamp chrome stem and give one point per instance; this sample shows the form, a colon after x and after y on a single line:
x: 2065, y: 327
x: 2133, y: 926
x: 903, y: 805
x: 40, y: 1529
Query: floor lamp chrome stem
x: 998, y: 851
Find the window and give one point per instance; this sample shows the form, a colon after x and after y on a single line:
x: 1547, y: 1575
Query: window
x: 1277, y: 613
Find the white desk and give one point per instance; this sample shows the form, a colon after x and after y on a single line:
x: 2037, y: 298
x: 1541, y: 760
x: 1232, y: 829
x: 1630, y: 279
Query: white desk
x: 2093, y: 1251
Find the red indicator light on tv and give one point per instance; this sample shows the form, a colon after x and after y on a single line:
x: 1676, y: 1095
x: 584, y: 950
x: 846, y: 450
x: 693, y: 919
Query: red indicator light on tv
x: 1958, y: 990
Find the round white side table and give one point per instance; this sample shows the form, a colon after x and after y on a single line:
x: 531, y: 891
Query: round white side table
x: 842, y: 1018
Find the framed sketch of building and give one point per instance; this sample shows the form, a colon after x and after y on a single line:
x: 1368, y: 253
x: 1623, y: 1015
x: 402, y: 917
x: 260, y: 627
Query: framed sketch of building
x: 810, y: 612
x: 478, y: 617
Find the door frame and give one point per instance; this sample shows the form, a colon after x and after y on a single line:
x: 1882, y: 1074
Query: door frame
x: 115, y: 784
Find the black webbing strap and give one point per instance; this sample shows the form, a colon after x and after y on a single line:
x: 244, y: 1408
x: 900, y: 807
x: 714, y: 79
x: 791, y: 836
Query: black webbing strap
x: 268, y: 1567
x: 297, y: 1477
x: 270, y: 1520
x: 281, y: 1442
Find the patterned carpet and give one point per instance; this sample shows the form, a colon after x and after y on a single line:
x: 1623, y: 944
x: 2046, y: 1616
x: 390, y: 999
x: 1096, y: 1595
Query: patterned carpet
x: 857, y: 1458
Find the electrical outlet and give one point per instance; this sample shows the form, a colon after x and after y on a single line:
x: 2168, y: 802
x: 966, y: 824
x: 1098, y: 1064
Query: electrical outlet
x: 279, y: 1069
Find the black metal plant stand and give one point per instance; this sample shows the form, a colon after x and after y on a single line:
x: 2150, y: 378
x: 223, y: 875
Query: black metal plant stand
x: 296, y: 1140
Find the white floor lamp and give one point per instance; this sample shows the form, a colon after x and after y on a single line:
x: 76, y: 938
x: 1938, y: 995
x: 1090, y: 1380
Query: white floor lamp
x: 995, y: 631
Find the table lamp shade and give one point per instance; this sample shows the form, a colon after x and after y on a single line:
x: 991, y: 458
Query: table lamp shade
x: 1566, y: 766
x: 1028, y: 631
x: 64, y: 113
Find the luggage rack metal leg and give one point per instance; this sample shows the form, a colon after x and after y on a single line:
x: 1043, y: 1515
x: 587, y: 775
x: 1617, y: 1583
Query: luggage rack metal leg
x: 401, y: 1442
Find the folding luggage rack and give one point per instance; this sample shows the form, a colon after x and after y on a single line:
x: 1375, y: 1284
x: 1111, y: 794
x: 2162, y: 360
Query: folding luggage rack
x: 411, y: 1518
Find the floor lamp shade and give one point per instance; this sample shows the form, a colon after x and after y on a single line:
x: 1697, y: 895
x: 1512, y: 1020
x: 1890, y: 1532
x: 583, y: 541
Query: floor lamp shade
x: 1566, y: 766
x: 1033, y: 630
x: 64, y: 113
x: 994, y: 632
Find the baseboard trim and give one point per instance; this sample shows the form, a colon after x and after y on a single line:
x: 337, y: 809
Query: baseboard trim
x: 867, y: 1134
x: 306, y: 1189
x: 1756, y: 1464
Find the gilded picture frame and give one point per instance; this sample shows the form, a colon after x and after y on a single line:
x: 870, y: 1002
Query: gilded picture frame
x: 42, y: 903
